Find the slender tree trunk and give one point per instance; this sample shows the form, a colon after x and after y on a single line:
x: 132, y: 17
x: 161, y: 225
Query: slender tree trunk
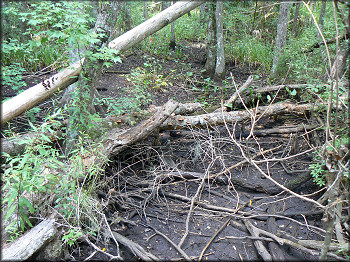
x: 145, y: 10
x: 165, y: 5
x: 172, y: 43
x: 295, y: 18
x: 203, y: 10
x: 220, y: 53
x: 322, y: 13
x: 127, y: 16
x: 211, y: 52
x: 281, y: 34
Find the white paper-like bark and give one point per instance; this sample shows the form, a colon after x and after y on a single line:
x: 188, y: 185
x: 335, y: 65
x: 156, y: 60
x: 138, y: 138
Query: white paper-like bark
x: 153, y: 24
x: 40, y: 92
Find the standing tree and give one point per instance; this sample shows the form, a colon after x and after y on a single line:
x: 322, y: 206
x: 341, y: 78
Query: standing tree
x: 322, y: 13
x: 295, y: 17
x: 211, y: 42
x: 172, y: 43
x: 220, y: 52
x: 281, y: 34
x: 145, y: 10
x: 215, y: 64
x: 82, y: 107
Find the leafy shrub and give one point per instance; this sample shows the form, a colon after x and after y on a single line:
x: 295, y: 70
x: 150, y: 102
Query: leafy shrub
x: 12, y: 76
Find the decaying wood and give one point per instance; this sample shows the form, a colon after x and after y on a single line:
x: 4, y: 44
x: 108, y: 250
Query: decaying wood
x: 135, y: 248
x: 307, y: 246
x: 218, y: 118
x: 258, y: 243
x: 60, y: 81
x: 275, y: 251
x: 13, y: 146
x: 115, y: 141
x: 280, y: 130
x: 25, y: 246
x: 248, y: 95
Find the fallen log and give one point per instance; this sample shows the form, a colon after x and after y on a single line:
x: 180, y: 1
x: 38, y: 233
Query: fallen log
x: 116, y: 140
x: 25, y: 246
x: 40, y: 92
x: 218, y: 118
x: 14, y: 146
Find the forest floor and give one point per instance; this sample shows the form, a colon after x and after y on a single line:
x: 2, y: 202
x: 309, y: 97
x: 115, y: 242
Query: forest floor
x: 149, y: 187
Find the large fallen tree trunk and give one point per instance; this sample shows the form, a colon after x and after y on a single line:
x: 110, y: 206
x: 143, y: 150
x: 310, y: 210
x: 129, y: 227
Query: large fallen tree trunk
x: 44, y: 90
x: 218, y: 118
x: 25, y: 246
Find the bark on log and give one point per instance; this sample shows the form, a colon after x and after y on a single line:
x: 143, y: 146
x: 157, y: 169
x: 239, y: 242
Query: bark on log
x: 25, y: 246
x: 12, y: 146
x: 116, y: 141
x: 135, y: 248
x: 218, y: 118
x: 258, y: 243
x: 42, y: 91
x: 249, y: 95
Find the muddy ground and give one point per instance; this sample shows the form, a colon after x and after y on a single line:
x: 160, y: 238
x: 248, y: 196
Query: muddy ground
x: 146, y: 182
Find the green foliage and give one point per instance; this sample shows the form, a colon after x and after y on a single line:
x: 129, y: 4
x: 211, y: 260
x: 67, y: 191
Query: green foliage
x: 29, y: 173
x: 318, y: 174
x: 49, y: 27
x: 108, y: 56
x: 71, y: 237
x: 12, y: 76
x: 80, y: 118
x: 41, y: 168
x: 251, y: 51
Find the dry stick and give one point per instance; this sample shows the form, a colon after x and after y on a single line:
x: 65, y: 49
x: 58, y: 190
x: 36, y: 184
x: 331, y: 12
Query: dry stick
x: 330, y: 69
x: 110, y: 231
x: 246, y: 237
x: 89, y: 257
x: 247, y: 83
x: 267, y: 176
x: 233, y: 211
x: 101, y: 251
x: 283, y: 187
x: 284, y: 158
x: 170, y: 241
x: 257, y: 243
x: 299, y: 245
x: 135, y: 248
x: 193, y: 200
x: 245, y: 160
x: 213, y: 237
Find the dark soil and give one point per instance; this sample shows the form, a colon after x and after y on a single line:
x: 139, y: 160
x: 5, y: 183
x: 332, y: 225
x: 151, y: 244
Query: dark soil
x: 142, y: 180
